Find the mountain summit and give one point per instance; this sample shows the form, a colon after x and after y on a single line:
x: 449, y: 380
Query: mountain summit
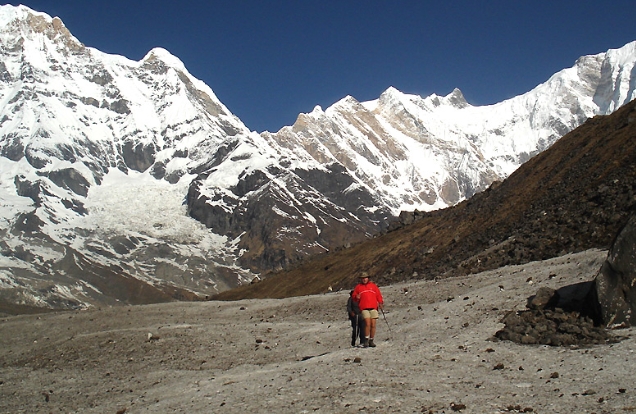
x: 129, y: 182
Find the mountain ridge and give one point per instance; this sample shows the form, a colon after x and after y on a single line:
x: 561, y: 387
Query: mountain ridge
x: 137, y: 169
x: 572, y: 197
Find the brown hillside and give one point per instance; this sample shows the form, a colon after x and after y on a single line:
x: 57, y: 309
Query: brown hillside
x: 572, y: 197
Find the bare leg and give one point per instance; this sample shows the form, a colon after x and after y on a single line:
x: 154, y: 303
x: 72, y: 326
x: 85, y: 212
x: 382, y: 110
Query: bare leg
x: 372, y: 328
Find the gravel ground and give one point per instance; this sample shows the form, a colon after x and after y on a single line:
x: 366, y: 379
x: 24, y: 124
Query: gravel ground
x: 435, y: 354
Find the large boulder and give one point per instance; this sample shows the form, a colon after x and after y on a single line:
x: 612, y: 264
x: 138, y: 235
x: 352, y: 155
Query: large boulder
x: 556, y: 317
x: 614, y: 290
x: 554, y: 327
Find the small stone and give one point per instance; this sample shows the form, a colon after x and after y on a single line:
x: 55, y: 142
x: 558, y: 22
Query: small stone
x: 545, y: 298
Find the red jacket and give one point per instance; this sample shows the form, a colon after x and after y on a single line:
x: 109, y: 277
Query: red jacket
x: 368, y: 295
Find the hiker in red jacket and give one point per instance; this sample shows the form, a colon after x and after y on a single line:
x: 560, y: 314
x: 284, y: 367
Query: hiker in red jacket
x: 369, y: 299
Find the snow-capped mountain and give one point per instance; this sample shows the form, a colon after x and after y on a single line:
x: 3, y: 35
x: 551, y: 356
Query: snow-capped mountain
x: 97, y: 153
x: 125, y: 181
x: 432, y: 152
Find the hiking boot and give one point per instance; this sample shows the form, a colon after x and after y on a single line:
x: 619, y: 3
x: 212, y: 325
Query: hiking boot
x: 353, y: 343
x: 371, y: 344
x: 365, y: 344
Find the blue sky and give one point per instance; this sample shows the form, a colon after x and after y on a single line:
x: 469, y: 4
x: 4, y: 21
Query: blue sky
x: 270, y: 60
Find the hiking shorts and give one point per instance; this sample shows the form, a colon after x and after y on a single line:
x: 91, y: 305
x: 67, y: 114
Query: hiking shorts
x: 370, y: 314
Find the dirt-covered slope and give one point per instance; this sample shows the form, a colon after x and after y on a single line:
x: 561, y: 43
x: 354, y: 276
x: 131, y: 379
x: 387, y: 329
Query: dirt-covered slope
x: 435, y: 354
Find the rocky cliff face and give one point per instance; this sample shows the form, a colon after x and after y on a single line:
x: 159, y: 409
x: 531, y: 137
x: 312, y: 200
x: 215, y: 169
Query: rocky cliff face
x: 136, y: 171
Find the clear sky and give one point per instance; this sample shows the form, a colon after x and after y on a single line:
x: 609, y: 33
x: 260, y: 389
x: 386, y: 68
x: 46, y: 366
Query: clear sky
x: 269, y: 60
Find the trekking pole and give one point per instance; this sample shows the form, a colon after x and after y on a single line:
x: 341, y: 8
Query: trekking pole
x: 387, y: 322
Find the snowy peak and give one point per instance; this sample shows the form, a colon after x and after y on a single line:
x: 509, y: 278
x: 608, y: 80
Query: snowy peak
x: 616, y: 85
x: 622, y: 57
x: 161, y: 54
x: 87, y: 143
x: 20, y: 23
x: 460, y: 149
x: 456, y: 99
x: 391, y: 96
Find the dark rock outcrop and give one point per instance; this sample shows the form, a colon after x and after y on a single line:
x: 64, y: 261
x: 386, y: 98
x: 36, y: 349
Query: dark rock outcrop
x: 138, y: 157
x: 554, y: 327
x: 271, y: 220
x: 614, y: 291
x: 70, y: 179
x: 555, y: 317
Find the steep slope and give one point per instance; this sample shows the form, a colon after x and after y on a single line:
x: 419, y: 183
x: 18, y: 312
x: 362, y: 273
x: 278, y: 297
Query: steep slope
x: 84, y: 139
x: 574, y: 196
x: 281, y: 208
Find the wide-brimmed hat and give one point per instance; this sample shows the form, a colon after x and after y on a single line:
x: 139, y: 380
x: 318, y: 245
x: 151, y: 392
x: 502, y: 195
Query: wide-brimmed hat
x: 363, y: 275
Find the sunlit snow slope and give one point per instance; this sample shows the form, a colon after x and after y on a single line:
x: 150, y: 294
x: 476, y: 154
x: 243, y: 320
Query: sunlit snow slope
x: 429, y: 153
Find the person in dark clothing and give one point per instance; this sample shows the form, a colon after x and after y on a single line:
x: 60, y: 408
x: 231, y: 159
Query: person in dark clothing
x: 357, y: 322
